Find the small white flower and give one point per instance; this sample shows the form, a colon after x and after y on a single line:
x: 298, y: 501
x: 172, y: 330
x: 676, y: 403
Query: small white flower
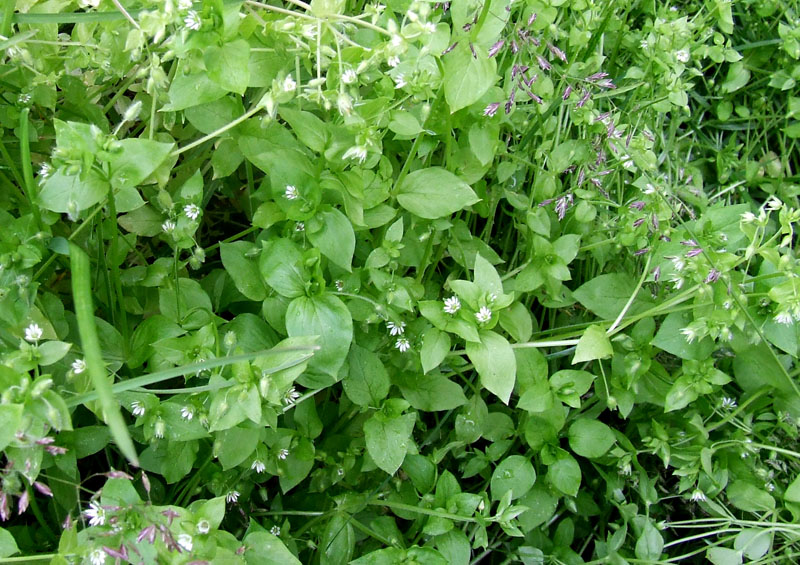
x: 728, y: 403
x: 644, y: 44
x: 396, y: 328
x: 300, y: 226
x: 291, y: 192
x: 168, y: 226
x: 393, y: 61
x: 185, y: 541
x: 137, y: 408
x: 689, y: 333
x: 159, y: 428
x: 678, y: 262
x: 677, y: 282
x: 192, y: 211
x: 349, y: 76
x: 344, y: 104
x: 291, y: 396
x: 748, y: 218
x: 78, y: 366
x: 357, y: 152
x: 774, y: 204
x: 229, y: 339
x: 231, y: 497
x: 682, y: 56
x: 698, y: 496
x: 192, y: 20
x: 187, y: 413
x: 770, y: 487
x: 275, y: 531
x: 96, y: 514
x: 203, y: 526
x: 784, y: 317
x: 402, y: 345
x: 258, y: 466
x: 483, y: 315
x: 184, y: 5
x: 97, y: 556
x: 33, y: 333
x: 452, y: 305
x: 289, y: 85
x: 400, y: 80
x: 45, y: 170
x: 429, y: 27
x: 339, y: 284
x: 283, y: 454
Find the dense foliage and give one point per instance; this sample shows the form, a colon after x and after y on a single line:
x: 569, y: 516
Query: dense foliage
x: 414, y: 282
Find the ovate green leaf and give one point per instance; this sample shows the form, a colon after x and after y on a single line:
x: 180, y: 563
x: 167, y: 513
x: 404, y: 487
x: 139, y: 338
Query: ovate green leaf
x: 434, y: 193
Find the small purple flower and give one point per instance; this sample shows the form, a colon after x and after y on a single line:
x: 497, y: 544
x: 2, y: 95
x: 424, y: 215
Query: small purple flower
x: 514, y: 47
x: 599, y: 185
x: 713, y: 276
x: 567, y: 92
x: 491, y: 109
x: 532, y: 19
x: 43, y: 488
x: 581, y: 177
x: 694, y: 252
x: 508, y: 106
x: 562, y: 205
x: 148, y: 533
x: 557, y: 52
x: 446, y: 51
x: 641, y: 251
x: 689, y: 243
x: 472, y: 48
x: 494, y: 49
x: 23, y: 502
x: 638, y: 205
x: 118, y: 475
x: 602, y: 116
x: 122, y: 553
x: 654, y: 221
x: 543, y: 63
x: 638, y: 222
x: 596, y: 76
x: 533, y: 96
x: 584, y: 99
x: 607, y: 84
x: 656, y: 273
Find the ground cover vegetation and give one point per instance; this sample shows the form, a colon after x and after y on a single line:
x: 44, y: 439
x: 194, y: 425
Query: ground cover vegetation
x: 412, y: 282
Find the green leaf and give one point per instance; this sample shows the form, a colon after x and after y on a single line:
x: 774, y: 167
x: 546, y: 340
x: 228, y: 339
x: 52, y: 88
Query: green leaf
x: 308, y: 128
x: 188, y: 306
x: 8, y: 546
x: 748, y: 497
x: 570, y: 385
x: 738, y: 76
x: 338, y: 541
x: 432, y: 311
x: 650, y: 544
x: 467, y: 77
x: 388, y: 439
x: 332, y: 233
x: 568, y: 153
x: 670, y: 339
x: 594, y: 344
x: 515, y: 474
x: 281, y: 266
x: 607, y: 295
x: 137, y: 161
x: 590, y: 438
x: 186, y: 91
x: 263, y: 548
x: 454, y: 547
x: 434, y: 193
x: 239, y: 262
x: 682, y: 392
x: 565, y: 476
x: 494, y: 360
x: 367, y: 382
x: 62, y: 192
x: 144, y: 221
x: 430, y: 393
x: 228, y: 65
x: 212, y: 116
x: 235, y: 445
x: 792, y: 493
x: 516, y: 320
x: 52, y: 351
x: 435, y: 347
x: 10, y: 420
x: 404, y: 123
x: 327, y: 317
x: 724, y: 556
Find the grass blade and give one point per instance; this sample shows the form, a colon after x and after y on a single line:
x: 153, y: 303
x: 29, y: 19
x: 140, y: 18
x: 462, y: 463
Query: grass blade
x: 84, y: 312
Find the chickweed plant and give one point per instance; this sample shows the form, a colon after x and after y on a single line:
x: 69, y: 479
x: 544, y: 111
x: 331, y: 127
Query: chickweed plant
x: 481, y: 281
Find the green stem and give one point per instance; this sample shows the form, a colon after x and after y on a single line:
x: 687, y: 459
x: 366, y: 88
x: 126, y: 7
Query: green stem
x: 425, y: 511
x: 27, y: 168
x: 84, y: 313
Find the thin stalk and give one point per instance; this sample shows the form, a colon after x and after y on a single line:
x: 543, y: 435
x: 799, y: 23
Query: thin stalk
x: 425, y: 511
x: 216, y: 133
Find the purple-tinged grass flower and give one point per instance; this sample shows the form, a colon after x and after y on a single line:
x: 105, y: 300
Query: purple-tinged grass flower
x: 446, y: 51
x: 495, y: 49
x: 713, y: 276
x: 491, y: 109
x: 544, y: 64
x: 557, y: 52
